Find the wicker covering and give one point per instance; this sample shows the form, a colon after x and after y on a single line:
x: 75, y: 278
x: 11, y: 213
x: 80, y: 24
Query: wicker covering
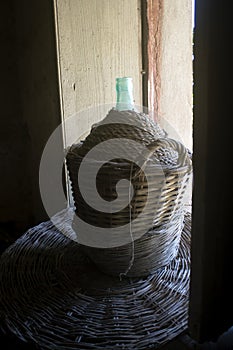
x: 50, y: 294
x: 167, y: 195
x: 152, y: 251
x: 124, y: 124
x: 158, y: 195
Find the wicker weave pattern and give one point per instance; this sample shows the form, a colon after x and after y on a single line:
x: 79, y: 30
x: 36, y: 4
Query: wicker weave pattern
x: 158, y: 194
x: 50, y: 294
x: 167, y: 197
x: 152, y: 251
x: 126, y: 124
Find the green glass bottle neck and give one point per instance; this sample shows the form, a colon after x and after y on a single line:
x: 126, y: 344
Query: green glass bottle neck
x: 124, y: 91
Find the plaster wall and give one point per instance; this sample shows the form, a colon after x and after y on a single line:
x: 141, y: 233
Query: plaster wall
x: 98, y: 41
x: 175, y: 102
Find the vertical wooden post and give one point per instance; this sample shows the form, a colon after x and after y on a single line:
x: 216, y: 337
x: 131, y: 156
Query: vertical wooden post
x: 154, y: 14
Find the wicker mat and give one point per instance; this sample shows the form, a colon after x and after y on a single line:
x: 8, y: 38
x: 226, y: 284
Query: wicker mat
x: 52, y: 295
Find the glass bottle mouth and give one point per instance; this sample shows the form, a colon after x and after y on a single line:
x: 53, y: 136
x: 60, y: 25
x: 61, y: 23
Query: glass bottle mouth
x: 124, y: 83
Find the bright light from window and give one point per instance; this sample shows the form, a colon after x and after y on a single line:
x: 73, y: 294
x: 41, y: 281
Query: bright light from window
x: 193, y: 13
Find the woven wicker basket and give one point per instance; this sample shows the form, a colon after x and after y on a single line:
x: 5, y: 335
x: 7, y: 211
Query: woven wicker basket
x: 158, y: 194
x: 157, y: 248
x: 52, y: 296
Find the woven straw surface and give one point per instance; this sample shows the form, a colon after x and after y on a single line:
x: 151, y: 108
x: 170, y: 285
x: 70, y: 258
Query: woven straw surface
x: 152, y: 251
x: 168, y: 169
x: 51, y: 294
x: 157, y: 199
x: 124, y: 124
x: 167, y: 178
